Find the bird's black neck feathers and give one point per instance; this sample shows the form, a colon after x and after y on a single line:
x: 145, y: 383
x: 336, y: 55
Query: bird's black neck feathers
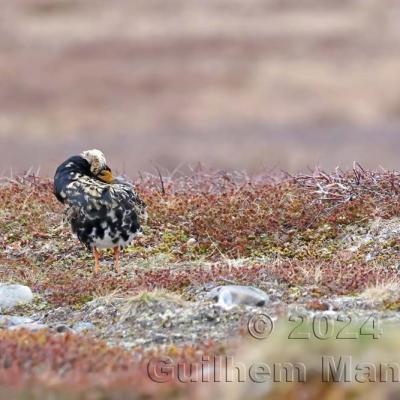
x: 67, y: 173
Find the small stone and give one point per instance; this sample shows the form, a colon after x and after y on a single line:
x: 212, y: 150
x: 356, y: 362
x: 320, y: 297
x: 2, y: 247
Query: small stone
x: 230, y: 296
x: 369, y: 257
x: 160, y: 338
x: 62, y: 328
x: 317, y: 305
x: 98, y: 312
x: 12, y: 295
x: 14, y: 320
x: 33, y: 327
x: 191, y: 242
x: 83, y: 327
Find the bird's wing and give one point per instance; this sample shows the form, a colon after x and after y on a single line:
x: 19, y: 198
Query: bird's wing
x: 124, y: 194
x: 95, y: 199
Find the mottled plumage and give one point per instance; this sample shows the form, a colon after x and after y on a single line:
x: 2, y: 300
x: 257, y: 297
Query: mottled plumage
x: 102, y: 215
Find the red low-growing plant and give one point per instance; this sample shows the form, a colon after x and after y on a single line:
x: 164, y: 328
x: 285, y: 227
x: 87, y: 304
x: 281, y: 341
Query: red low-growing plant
x: 211, y: 216
x: 72, y: 364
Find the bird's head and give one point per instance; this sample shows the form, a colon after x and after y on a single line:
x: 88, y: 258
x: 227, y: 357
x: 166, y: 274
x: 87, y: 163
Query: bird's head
x: 98, y: 165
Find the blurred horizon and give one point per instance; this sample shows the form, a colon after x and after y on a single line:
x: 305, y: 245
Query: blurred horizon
x: 252, y: 85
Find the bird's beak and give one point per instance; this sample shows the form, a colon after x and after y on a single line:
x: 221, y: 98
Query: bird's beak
x: 106, y: 175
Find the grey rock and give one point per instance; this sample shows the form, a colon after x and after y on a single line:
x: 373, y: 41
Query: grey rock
x: 62, y: 328
x: 191, y: 242
x: 12, y: 295
x: 83, y: 326
x: 13, y: 320
x: 160, y: 338
x: 98, y: 312
x: 230, y: 296
x: 33, y: 327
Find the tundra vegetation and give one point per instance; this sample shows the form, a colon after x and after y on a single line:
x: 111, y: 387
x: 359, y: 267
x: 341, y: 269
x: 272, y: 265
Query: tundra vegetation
x: 313, y: 242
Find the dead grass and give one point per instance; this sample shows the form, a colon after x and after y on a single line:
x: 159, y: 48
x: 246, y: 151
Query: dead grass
x: 209, y: 227
x: 207, y: 218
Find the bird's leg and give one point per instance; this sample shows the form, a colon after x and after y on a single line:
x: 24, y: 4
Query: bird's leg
x: 96, y: 260
x: 116, y: 259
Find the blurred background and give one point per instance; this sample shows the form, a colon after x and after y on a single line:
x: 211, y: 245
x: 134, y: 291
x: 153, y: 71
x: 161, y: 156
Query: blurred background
x: 236, y: 84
